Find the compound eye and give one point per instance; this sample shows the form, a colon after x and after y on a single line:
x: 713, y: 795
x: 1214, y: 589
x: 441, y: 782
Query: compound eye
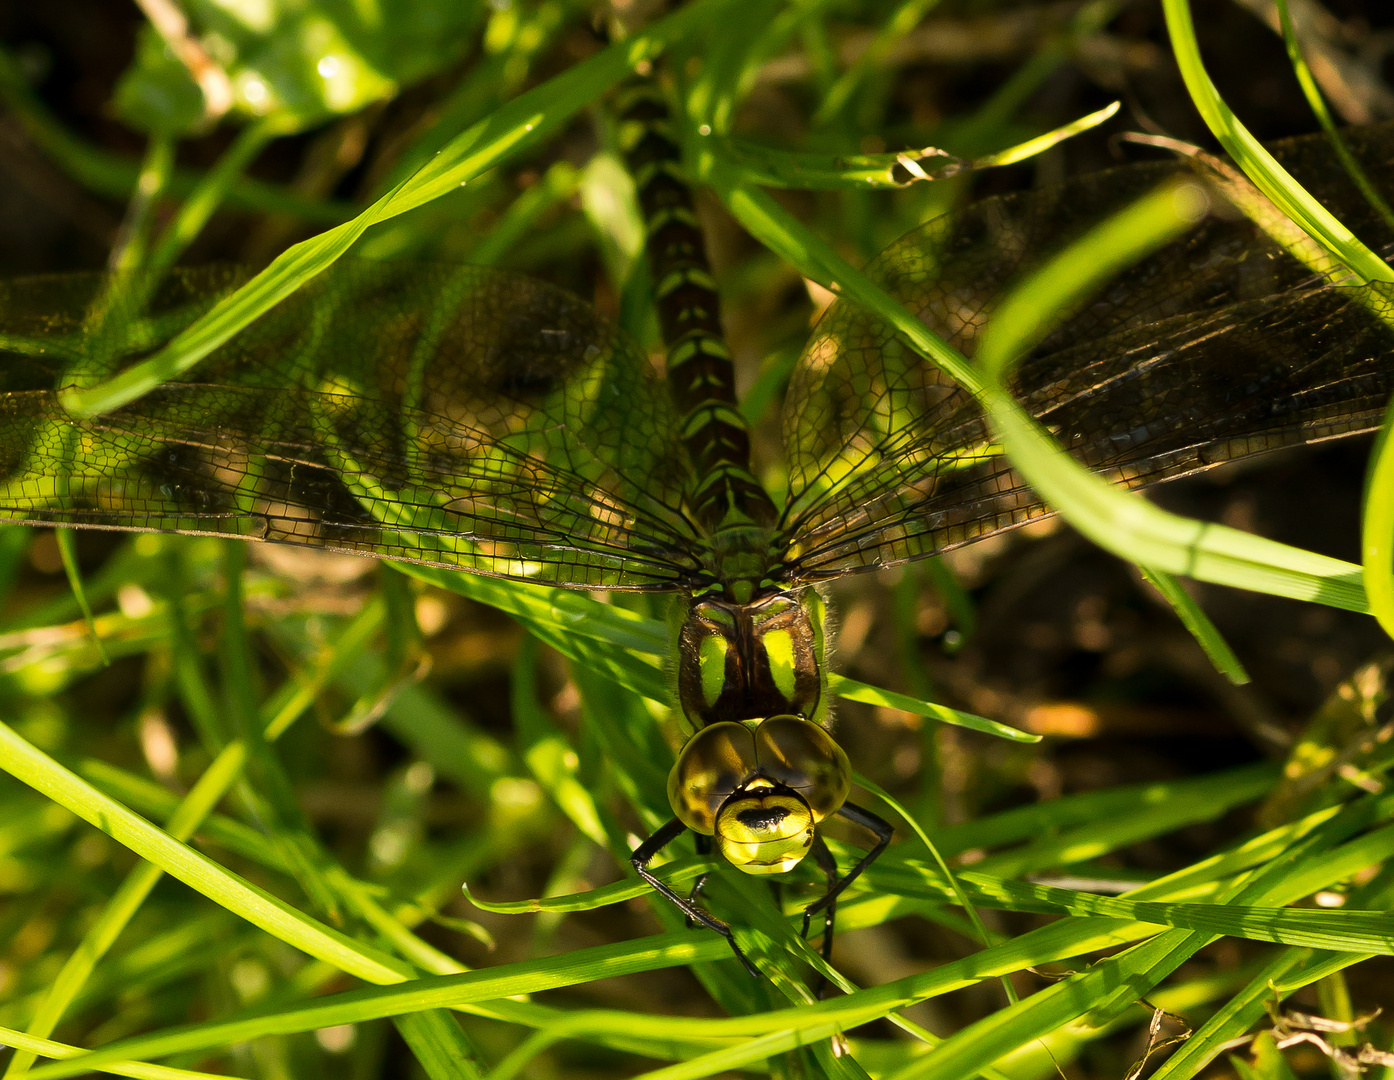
x: 713, y: 764
x: 766, y: 831
x: 801, y: 755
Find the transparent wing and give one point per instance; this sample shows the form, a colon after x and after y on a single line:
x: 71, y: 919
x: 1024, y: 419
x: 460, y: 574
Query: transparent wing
x: 453, y: 416
x: 1219, y: 347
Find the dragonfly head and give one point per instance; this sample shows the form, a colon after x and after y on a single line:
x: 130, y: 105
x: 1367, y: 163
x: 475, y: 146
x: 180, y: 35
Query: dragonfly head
x: 760, y: 788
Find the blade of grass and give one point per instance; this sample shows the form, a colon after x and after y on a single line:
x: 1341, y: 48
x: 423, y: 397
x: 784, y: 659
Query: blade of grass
x: 904, y: 18
x: 35, y: 1047
x: 1377, y: 527
x: 1114, y: 984
x: 1055, y: 819
x: 1283, y: 974
x: 440, y: 1045
x: 770, y: 167
x: 131, y: 246
x: 264, y: 788
x: 32, y: 766
x: 210, y: 193
x: 943, y: 867
x: 853, y: 690
x: 182, y: 823
x: 453, y: 991
x: 1258, y: 164
x: 1059, y: 941
x: 1194, y: 619
x: 1312, y: 93
x: 67, y: 552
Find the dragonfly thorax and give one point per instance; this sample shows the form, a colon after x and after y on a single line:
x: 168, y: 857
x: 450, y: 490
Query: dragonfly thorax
x: 748, y: 661
x: 738, y: 561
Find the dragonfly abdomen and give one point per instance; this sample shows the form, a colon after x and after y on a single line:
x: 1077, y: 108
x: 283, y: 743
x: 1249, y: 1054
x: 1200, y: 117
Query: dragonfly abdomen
x: 701, y: 375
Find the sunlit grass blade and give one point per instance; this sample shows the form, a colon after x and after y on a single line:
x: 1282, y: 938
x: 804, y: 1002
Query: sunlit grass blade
x: 67, y: 551
x: 959, y: 895
x: 1324, y: 856
x: 1280, y: 976
x: 678, y: 872
x: 210, y: 193
x: 29, y: 764
x: 1258, y: 164
x: 132, y: 245
x: 1024, y: 151
x: 35, y: 1047
x: 1377, y: 527
x: 853, y: 690
x: 1194, y: 619
x: 549, y: 757
x: 816, y: 172
x: 1049, y: 294
x: 439, y: 1044
x: 1056, y: 942
x: 1077, y: 828
x: 461, y: 991
x: 1312, y: 93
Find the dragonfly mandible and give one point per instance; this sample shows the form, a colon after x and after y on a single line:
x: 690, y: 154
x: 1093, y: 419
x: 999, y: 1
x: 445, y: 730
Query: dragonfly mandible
x: 481, y: 421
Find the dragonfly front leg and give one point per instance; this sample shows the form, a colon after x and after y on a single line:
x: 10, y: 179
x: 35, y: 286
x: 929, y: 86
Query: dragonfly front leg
x: 878, y: 827
x: 644, y: 854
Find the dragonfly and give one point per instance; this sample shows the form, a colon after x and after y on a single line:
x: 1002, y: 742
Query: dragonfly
x: 482, y: 421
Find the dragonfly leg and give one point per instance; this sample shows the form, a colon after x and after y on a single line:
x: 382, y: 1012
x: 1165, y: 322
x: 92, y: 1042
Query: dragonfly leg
x: 644, y: 854
x: 824, y: 859
x: 703, y: 845
x: 878, y: 827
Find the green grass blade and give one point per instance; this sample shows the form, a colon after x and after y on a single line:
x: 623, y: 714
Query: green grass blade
x: 547, y: 753
x: 100, y: 937
x: 67, y: 551
x: 1377, y: 527
x: 1258, y: 164
x: 438, y: 1043
x: 1117, y: 982
x: 33, y: 1047
x: 1194, y: 619
x: 453, y: 991
x: 903, y: 18
x: 943, y: 867
x: 210, y: 193
x: 131, y: 248
x: 1312, y: 93
x: 770, y: 167
x: 853, y: 690
x: 1283, y: 974
x: 32, y: 766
